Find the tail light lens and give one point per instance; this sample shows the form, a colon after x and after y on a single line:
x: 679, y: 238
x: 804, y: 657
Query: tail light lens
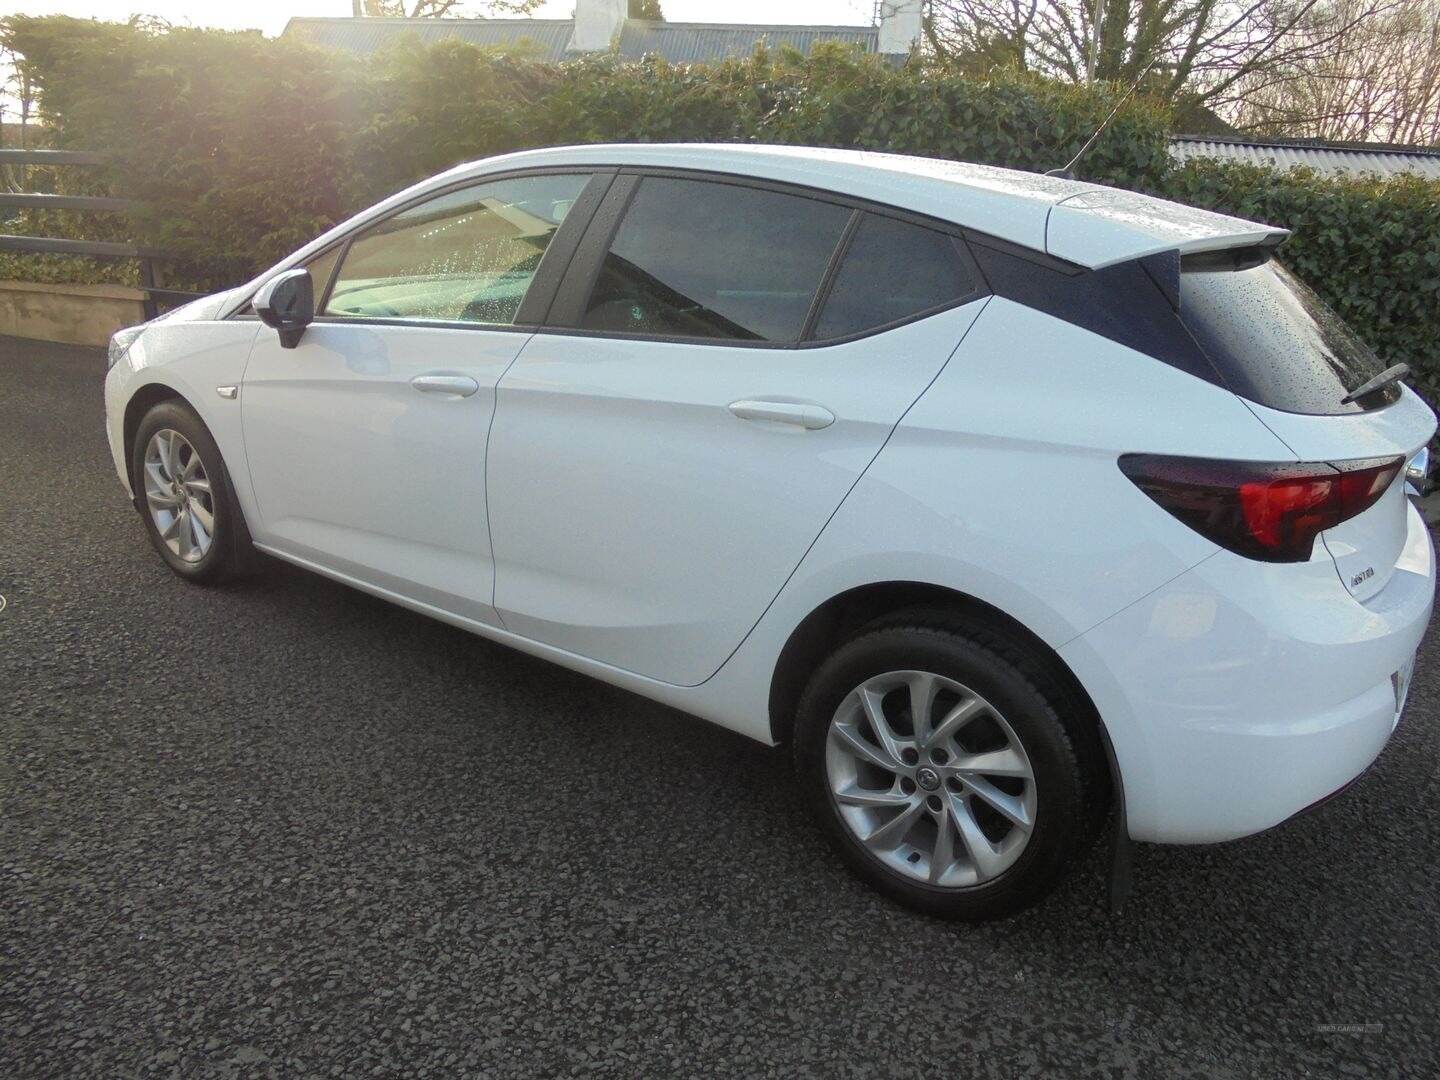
x: 1263, y: 510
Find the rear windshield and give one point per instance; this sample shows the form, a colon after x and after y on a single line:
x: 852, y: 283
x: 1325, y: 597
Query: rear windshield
x: 1272, y: 339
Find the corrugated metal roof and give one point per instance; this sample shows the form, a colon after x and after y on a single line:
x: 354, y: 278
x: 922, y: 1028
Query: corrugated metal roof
x: 678, y: 43
x: 549, y: 36
x: 682, y: 43
x: 1349, y: 159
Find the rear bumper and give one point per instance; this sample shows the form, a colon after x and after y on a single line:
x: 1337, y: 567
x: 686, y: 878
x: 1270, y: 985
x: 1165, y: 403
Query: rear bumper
x: 1242, y: 693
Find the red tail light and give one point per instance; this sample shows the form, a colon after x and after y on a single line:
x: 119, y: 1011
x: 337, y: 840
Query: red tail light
x: 1262, y: 510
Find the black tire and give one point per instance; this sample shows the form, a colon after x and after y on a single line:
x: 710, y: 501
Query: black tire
x: 230, y: 552
x: 1071, y: 779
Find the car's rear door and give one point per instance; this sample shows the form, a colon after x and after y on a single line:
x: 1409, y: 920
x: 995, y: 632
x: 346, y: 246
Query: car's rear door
x: 668, y: 447
x: 366, y: 443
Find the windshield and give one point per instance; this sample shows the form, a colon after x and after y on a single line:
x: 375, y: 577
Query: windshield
x: 1271, y: 338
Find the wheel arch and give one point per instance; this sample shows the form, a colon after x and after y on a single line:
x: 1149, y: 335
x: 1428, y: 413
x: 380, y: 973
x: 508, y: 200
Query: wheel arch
x: 141, y: 402
x: 816, y: 635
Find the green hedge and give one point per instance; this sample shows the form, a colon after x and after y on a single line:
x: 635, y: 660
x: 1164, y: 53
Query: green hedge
x: 243, y: 148
x: 428, y: 107
x: 1369, y: 246
x: 236, y: 145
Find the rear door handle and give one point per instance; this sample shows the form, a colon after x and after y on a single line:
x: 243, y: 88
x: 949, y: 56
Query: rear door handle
x: 453, y: 385
x: 807, y: 415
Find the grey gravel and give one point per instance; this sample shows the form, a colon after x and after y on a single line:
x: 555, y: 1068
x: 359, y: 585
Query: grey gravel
x: 286, y: 829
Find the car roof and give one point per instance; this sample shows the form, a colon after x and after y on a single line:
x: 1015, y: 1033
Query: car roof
x: 1087, y: 224
x: 1084, y: 223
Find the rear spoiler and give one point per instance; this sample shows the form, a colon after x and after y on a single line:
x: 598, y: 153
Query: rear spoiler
x: 1104, y: 226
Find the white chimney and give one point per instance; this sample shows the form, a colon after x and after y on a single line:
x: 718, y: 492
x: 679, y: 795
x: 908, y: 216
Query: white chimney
x: 597, y: 24
x: 899, y: 26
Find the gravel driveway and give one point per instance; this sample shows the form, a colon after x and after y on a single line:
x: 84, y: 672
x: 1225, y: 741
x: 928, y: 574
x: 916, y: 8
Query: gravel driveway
x: 287, y: 829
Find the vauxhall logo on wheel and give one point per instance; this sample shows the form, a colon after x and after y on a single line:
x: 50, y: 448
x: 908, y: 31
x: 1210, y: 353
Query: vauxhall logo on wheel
x: 928, y: 778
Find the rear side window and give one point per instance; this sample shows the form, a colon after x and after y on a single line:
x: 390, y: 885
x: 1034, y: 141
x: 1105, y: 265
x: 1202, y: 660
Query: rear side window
x: 1271, y: 338
x: 466, y: 256
x: 892, y: 271
x: 696, y: 259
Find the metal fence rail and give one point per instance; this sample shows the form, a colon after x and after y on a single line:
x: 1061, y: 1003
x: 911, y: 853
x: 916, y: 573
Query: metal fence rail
x: 64, y: 202
x: 52, y: 157
x: 155, y: 294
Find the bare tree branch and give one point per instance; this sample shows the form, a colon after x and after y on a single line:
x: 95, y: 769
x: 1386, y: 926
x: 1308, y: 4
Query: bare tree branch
x: 1257, y: 63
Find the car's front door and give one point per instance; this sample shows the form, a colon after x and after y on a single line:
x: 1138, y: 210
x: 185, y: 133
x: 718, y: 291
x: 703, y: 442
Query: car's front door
x: 657, y: 471
x: 366, y: 443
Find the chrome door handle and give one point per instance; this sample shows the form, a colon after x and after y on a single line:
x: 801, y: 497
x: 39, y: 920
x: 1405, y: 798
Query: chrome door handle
x: 809, y: 416
x: 454, y: 385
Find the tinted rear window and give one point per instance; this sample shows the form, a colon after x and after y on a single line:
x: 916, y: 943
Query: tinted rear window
x: 892, y: 270
x: 696, y: 259
x: 1271, y: 338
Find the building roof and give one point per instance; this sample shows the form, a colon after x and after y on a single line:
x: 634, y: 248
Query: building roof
x: 549, y: 36
x: 1341, y: 158
x: 678, y: 43
x: 682, y: 43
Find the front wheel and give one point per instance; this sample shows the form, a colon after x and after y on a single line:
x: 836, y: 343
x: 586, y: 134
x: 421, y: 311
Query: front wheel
x: 945, y: 768
x: 184, y: 495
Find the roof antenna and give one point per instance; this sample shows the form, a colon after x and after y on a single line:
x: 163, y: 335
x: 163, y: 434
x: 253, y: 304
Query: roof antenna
x: 1065, y: 173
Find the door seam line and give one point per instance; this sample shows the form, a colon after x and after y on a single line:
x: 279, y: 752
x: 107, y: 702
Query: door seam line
x: 489, y: 528
x: 244, y: 437
x: 845, y: 498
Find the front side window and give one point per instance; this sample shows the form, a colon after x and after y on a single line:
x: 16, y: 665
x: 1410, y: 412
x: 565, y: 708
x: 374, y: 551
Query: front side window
x: 698, y: 259
x: 467, y: 256
x: 891, y: 271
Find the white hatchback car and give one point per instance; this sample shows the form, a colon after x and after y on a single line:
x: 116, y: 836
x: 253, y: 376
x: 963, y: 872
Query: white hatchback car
x: 1004, y: 499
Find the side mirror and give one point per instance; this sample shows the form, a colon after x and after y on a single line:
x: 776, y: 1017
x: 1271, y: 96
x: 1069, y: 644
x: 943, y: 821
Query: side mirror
x: 287, y: 302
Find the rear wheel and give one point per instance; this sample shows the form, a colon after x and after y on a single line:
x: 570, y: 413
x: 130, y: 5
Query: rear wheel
x: 184, y: 495
x: 946, y: 768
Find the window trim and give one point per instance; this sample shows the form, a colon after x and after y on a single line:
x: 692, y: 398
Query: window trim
x: 574, y: 292
x: 832, y: 270
x: 323, y: 297
x: 573, y: 295
x: 962, y: 249
x: 600, y: 177
x: 966, y: 234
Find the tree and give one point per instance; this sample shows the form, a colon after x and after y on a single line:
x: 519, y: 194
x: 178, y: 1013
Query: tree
x: 1382, y: 83
x: 1196, y: 53
x: 646, y: 9
x: 17, y: 97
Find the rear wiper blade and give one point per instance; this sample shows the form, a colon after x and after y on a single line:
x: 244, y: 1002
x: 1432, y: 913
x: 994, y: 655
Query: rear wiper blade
x: 1390, y: 375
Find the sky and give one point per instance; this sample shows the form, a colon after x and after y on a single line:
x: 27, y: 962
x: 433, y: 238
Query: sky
x: 270, y: 16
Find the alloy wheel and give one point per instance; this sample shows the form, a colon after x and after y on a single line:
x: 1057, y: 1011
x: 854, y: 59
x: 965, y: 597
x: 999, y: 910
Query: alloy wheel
x: 930, y: 778
x: 178, y: 495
